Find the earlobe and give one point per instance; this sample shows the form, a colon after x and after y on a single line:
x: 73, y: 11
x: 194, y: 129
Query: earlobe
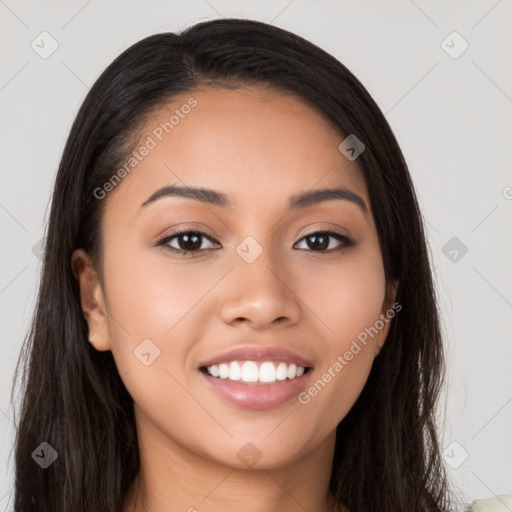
x: 389, y: 310
x: 91, y: 299
x: 391, y: 291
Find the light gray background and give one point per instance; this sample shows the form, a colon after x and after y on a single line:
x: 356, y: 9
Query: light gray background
x: 452, y: 118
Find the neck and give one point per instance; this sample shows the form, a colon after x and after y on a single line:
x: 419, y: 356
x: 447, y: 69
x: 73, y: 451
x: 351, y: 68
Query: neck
x: 171, y: 478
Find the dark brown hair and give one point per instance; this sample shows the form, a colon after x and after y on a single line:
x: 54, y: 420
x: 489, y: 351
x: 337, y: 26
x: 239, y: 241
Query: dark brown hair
x: 387, y: 456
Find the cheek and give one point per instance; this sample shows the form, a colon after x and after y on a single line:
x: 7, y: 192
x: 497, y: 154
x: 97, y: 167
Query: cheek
x: 348, y: 299
x: 346, y: 296
x: 334, y: 389
x: 151, y: 297
x: 149, y: 294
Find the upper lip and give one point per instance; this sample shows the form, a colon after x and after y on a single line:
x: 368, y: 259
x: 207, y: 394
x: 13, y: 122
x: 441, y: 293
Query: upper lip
x: 258, y: 354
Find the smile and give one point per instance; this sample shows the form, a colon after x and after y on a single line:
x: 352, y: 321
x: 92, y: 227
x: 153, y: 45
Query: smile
x: 255, y: 372
x: 252, y: 377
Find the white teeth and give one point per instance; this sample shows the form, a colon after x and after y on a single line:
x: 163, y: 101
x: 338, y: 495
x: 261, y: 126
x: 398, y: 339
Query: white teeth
x: 267, y: 372
x: 248, y: 371
x: 223, y: 371
x: 235, y: 372
x: 282, y: 371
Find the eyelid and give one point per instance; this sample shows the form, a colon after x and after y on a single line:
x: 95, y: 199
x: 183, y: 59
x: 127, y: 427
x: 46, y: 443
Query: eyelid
x: 187, y: 227
x: 325, y: 226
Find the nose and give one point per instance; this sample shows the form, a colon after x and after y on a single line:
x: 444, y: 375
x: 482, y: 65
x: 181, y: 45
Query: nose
x: 260, y: 294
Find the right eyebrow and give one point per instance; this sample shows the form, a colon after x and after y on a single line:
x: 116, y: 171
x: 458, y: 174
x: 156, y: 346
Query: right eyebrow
x: 200, y: 194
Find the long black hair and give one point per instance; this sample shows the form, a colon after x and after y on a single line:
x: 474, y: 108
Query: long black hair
x: 387, y: 454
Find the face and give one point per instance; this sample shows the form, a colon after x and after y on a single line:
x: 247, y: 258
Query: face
x: 260, y: 332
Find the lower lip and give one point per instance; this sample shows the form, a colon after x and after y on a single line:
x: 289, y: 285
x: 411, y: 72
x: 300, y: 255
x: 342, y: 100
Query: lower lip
x: 257, y: 395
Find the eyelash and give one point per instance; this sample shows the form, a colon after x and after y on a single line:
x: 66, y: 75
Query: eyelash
x: 345, y: 240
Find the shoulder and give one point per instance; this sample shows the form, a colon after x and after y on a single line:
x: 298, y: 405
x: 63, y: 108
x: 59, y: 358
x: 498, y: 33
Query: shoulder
x: 501, y: 503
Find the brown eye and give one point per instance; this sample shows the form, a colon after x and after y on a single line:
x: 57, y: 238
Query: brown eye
x: 320, y: 241
x: 187, y: 241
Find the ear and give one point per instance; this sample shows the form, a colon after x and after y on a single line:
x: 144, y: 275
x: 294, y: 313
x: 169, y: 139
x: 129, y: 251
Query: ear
x: 92, y: 299
x: 389, y: 310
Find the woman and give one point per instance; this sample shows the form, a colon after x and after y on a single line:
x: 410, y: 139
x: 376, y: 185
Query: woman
x: 236, y: 310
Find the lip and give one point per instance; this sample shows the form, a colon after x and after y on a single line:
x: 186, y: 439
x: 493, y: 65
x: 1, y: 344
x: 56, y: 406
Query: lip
x: 257, y: 395
x: 258, y: 355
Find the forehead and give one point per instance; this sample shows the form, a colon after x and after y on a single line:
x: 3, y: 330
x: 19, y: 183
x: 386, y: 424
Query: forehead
x: 257, y: 145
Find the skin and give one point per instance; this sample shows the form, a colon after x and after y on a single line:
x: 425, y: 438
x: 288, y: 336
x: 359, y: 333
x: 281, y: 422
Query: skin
x: 259, y: 146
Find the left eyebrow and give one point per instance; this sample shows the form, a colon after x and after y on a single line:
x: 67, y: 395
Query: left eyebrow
x: 216, y: 198
x: 318, y: 196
